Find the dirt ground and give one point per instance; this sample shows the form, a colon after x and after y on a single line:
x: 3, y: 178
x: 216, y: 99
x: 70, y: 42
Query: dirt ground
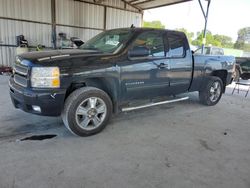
x: 178, y: 145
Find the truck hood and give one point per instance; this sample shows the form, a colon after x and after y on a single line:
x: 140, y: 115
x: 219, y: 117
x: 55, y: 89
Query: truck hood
x: 57, y: 54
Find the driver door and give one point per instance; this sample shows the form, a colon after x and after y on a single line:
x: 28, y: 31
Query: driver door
x: 146, y: 76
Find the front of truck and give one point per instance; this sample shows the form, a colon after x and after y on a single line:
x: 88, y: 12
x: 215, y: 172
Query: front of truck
x: 36, y: 89
x: 40, y: 79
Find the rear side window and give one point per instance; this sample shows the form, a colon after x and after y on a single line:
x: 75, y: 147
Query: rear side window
x: 176, y: 46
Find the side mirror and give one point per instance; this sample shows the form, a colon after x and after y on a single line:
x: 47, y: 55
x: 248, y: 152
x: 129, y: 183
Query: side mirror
x: 139, y: 51
x: 78, y: 42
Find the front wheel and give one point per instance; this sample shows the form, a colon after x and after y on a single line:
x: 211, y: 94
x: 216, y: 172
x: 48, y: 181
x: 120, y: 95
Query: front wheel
x: 87, y: 111
x: 212, y: 92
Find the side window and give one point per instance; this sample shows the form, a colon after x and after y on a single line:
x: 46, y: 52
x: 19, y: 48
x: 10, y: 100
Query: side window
x: 217, y: 51
x: 176, y: 46
x: 221, y: 52
x: 153, y: 41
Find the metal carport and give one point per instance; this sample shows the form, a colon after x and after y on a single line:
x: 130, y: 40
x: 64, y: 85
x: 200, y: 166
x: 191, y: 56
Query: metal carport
x: 41, y: 21
x: 149, y: 4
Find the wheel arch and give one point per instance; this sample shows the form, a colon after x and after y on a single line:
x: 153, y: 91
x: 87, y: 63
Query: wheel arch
x: 222, y: 74
x: 108, y: 85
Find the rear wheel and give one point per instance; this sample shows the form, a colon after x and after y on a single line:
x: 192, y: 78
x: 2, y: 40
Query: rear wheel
x: 87, y: 111
x: 212, y: 92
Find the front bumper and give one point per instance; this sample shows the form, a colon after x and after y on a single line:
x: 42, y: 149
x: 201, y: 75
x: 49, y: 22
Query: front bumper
x: 50, y: 101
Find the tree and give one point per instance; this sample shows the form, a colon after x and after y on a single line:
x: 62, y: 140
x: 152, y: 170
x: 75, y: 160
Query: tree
x: 209, y: 39
x: 189, y: 35
x: 214, y: 40
x: 154, y: 24
x: 225, y: 41
x: 243, y: 40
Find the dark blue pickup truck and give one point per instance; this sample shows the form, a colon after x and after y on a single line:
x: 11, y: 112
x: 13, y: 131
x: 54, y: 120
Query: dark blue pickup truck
x: 111, y: 71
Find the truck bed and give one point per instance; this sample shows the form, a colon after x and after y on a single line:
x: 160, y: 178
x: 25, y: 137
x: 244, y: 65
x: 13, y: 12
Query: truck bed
x: 205, y: 65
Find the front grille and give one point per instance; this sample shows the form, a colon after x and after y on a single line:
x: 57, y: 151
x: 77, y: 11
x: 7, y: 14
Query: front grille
x: 20, y: 80
x: 20, y: 74
x: 21, y: 69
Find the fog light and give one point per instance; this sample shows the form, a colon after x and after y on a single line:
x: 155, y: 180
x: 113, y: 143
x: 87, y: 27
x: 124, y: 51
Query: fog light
x: 36, y: 108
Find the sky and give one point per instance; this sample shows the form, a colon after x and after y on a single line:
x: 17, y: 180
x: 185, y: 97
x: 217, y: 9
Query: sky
x: 226, y: 17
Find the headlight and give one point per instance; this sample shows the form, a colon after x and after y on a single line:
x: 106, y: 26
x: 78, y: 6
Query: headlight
x: 45, y: 77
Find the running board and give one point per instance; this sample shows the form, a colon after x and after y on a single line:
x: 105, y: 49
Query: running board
x: 154, y: 104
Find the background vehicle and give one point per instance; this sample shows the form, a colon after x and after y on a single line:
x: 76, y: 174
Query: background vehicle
x: 112, y: 71
x: 211, y: 50
x: 242, y: 68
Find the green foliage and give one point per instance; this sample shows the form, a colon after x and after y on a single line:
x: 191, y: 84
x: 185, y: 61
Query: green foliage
x: 190, y: 35
x: 242, y: 43
x: 243, y: 33
x: 153, y: 24
x: 239, y: 44
x: 226, y: 42
x: 246, y: 47
x: 243, y: 39
x: 210, y: 40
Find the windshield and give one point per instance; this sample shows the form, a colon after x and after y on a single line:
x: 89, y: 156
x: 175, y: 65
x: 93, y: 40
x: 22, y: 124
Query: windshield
x: 109, y: 41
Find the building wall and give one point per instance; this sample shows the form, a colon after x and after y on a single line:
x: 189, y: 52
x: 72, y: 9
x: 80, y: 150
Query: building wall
x: 83, y: 19
x: 12, y: 16
x: 120, y: 18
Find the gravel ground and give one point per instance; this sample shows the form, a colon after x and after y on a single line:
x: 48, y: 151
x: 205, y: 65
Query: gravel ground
x: 178, y: 145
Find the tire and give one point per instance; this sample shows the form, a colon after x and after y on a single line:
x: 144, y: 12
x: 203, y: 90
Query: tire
x: 236, y: 75
x: 87, y: 111
x: 210, y: 90
x: 245, y: 76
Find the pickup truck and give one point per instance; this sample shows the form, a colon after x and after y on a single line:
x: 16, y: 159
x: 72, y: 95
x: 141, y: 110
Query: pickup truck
x: 211, y: 50
x: 111, y: 71
x: 242, y: 68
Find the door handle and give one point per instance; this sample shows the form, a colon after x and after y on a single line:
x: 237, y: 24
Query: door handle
x: 162, y: 66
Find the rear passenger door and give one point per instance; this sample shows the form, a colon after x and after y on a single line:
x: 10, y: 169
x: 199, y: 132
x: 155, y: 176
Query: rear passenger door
x: 180, y: 62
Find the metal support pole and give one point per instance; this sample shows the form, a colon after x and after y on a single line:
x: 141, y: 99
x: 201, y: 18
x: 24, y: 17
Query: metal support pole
x: 53, y: 22
x: 205, y: 14
x: 105, y: 19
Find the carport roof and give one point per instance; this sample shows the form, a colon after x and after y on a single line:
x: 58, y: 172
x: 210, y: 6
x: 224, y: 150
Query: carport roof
x: 148, y: 4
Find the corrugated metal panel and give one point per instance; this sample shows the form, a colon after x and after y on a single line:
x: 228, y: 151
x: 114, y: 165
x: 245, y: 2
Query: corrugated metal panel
x: 79, y: 14
x: 69, y: 12
x: 7, y: 56
x: 83, y: 34
x: 36, y: 10
x: 128, y: 7
x: 145, y: 4
x: 35, y: 33
x: 114, y: 3
x: 119, y: 18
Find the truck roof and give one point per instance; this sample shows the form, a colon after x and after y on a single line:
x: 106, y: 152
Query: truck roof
x: 141, y: 29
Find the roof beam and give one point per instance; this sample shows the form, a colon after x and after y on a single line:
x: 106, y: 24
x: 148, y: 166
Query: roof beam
x: 150, y: 4
x: 132, y: 5
x: 142, y: 2
x: 132, y: 1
